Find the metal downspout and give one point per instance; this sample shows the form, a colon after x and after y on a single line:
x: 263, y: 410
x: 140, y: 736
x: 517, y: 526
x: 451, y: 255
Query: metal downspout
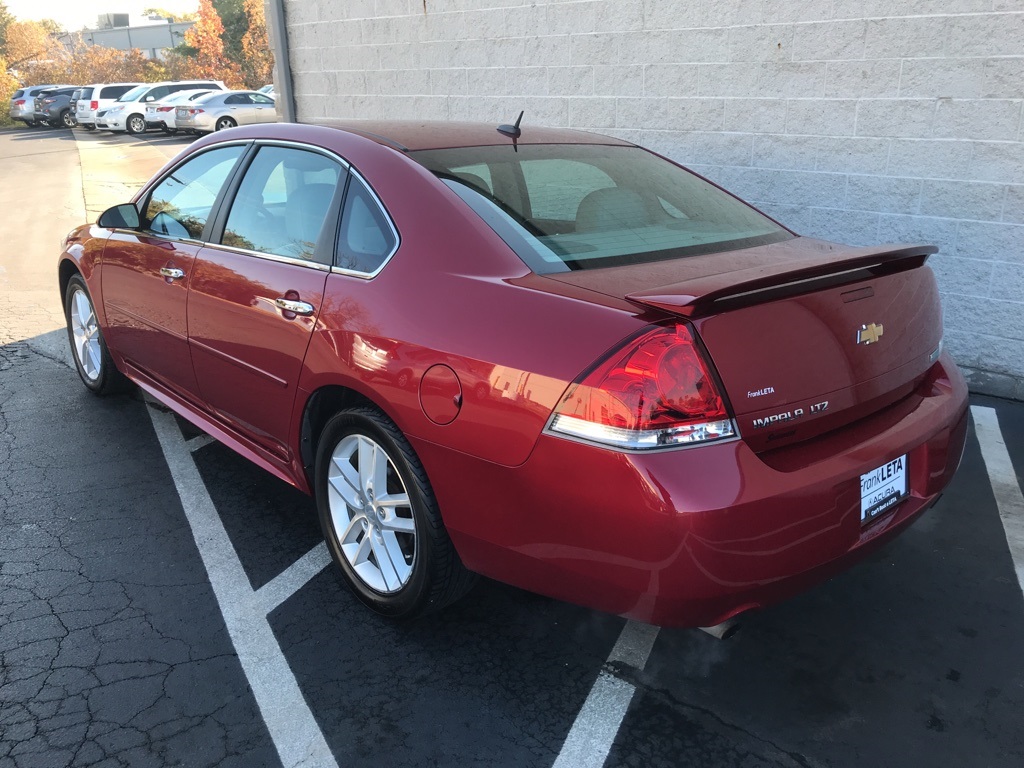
x: 279, y: 43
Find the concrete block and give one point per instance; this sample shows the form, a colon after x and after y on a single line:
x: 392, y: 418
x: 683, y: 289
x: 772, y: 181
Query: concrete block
x: 883, y: 194
x: 986, y: 35
x: 829, y: 41
x: 570, y: 19
x: 794, y: 217
x: 683, y: 46
x: 706, y: 148
x: 603, y: 48
x: 1008, y: 282
x: 796, y: 153
x: 794, y: 187
x: 657, y: 14
x: 667, y: 80
x: 942, y: 78
x: 992, y: 384
x: 932, y: 159
x: 572, y: 81
x: 621, y: 80
x: 527, y: 81
x: 739, y: 79
x: 798, y: 10
x: 618, y: 16
x: 486, y: 24
x: 755, y: 116
x: 997, y: 161
x: 979, y: 119
x: 841, y: 226
x: 529, y: 21
x: 1002, y: 78
x: 787, y: 79
x: 970, y: 277
x: 853, y: 155
x: 548, y: 51
x: 592, y: 113
x: 911, y: 118
x: 823, y: 117
x: 963, y: 200
x: 1002, y: 319
x: 765, y: 42
x: 449, y: 82
x: 991, y: 241
x: 908, y: 38
x: 729, y: 13
x: 348, y: 83
x: 670, y: 114
x: 1013, y: 204
x: 846, y: 9
x: 391, y: 8
x: 492, y: 81
x: 862, y: 79
x: 899, y: 228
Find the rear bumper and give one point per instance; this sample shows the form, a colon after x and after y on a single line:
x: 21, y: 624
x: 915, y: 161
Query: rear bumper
x: 693, y: 536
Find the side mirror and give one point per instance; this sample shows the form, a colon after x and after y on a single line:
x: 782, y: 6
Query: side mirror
x: 124, y: 216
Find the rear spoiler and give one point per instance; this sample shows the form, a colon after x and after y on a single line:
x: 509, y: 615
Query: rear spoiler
x: 731, y: 290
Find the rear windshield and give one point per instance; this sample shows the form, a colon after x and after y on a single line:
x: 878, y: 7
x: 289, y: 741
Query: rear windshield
x: 135, y: 93
x: 83, y: 93
x: 573, y: 206
x: 18, y: 94
x: 114, y: 91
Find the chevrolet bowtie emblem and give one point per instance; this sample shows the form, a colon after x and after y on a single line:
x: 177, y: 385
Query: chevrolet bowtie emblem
x: 869, y: 334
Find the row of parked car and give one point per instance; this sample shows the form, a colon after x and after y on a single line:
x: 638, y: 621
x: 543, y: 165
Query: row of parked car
x: 194, y: 106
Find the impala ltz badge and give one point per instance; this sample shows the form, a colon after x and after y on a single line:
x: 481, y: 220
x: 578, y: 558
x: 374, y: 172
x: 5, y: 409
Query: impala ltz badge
x: 869, y: 334
x: 796, y: 413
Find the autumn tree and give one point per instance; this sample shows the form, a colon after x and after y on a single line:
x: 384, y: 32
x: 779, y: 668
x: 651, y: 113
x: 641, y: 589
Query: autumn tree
x: 6, y: 18
x: 236, y: 19
x: 204, y: 38
x: 26, y: 41
x: 257, y: 58
x: 82, y: 63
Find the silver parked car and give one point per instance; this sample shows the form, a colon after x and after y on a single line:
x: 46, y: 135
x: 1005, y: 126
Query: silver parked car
x: 218, y: 111
x: 23, y: 103
x: 162, y: 113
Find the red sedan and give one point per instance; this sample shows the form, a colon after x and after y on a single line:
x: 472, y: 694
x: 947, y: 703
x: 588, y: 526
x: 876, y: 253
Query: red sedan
x: 549, y: 357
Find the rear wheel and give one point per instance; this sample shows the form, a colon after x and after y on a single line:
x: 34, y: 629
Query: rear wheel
x: 89, y: 126
x: 224, y: 123
x: 135, y: 124
x: 381, y: 520
x: 68, y: 119
x: 92, y: 359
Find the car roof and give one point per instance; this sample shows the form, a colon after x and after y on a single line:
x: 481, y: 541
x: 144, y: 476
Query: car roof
x: 413, y: 135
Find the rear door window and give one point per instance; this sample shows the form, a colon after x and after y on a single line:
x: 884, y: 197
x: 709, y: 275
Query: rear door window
x: 114, y: 91
x: 180, y: 205
x: 366, y: 238
x: 282, y: 203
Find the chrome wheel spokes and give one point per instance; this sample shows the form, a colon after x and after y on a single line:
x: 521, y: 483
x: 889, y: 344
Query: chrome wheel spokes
x: 86, y: 332
x: 371, y: 514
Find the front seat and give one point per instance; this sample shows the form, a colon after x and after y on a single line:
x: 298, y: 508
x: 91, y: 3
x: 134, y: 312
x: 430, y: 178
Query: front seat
x: 611, y: 208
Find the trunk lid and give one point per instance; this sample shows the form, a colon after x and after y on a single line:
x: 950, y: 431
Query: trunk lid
x: 806, y: 338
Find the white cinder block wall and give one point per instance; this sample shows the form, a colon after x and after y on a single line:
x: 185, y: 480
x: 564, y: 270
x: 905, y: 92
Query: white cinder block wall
x: 861, y: 121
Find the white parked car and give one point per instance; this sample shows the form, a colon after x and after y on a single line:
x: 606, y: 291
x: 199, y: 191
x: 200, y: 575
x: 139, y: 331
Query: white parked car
x: 217, y: 111
x: 128, y: 113
x: 161, y: 113
x: 93, y: 98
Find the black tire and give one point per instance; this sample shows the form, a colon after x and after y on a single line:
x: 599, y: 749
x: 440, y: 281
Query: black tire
x: 89, y: 126
x: 135, y: 124
x: 223, y: 123
x: 437, y: 577
x: 107, y: 380
x: 169, y: 131
x: 68, y: 119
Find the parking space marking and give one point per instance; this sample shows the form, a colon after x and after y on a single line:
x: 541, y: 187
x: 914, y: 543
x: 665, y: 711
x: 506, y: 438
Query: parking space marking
x: 592, y: 734
x: 200, y: 441
x: 1001, y: 474
x: 293, y: 578
x: 293, y: 729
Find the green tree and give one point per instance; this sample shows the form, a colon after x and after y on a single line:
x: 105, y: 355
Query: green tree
x: 6, y: 18
x: 236, y: 23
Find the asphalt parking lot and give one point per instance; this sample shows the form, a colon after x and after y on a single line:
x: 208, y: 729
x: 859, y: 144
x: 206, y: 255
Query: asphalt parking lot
x: 163, y: 602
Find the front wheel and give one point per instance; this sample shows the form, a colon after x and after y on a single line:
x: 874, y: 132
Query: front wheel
x: 92, y: 359
x: 225, y: 123
x: 135, y: 124
x: 381, y: 520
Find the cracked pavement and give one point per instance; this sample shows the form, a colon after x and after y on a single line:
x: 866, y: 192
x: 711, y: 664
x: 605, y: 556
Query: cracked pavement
x: 113, y: 651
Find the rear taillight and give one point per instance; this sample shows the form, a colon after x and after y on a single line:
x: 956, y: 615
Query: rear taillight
x: 94, y: 105
x: 19, y: 102
x: 196, y: 111
x: 655, y: 392
x: 164, y: 109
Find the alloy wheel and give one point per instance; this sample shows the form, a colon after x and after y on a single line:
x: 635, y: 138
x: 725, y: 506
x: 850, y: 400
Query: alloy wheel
x: 86, y: 332
x: 371, y: 514
x: 136, y: 124
x: 225, y: 123
x: 69, y: 120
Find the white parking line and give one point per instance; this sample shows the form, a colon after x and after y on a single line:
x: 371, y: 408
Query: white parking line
x: 293, y: 729
x: 199, y: 441
x: 591, y: 736
x: 294, y: 578
x: 1003, y: 478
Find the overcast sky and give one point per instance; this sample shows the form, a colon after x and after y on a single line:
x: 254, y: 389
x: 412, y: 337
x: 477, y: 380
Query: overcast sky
x: 75, y: 14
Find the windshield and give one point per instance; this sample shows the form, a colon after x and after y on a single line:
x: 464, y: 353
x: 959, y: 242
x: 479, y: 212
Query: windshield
x: 135, y: 93
x: 583, y: 206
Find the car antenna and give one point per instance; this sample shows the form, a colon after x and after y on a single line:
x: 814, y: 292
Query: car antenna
x: 513, y: 130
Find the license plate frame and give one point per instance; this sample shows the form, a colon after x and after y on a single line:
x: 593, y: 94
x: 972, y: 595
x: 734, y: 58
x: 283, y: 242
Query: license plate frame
x: 883, y: 488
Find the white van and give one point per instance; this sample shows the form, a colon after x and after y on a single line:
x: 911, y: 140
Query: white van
x: 93, y: 98
x: 128, y: 113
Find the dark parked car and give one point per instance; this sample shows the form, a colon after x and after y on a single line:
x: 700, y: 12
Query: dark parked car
x: 550, y: 357
x: 54, y: 107
x: 23, y: 103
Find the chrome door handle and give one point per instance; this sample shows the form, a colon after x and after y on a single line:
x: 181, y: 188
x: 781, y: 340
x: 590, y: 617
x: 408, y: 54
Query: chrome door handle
x: 297, y: 307
x: 172, y: 272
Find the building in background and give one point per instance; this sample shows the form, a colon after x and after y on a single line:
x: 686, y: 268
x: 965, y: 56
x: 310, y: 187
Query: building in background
x: 854, y: 120
x: 153, y: 35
